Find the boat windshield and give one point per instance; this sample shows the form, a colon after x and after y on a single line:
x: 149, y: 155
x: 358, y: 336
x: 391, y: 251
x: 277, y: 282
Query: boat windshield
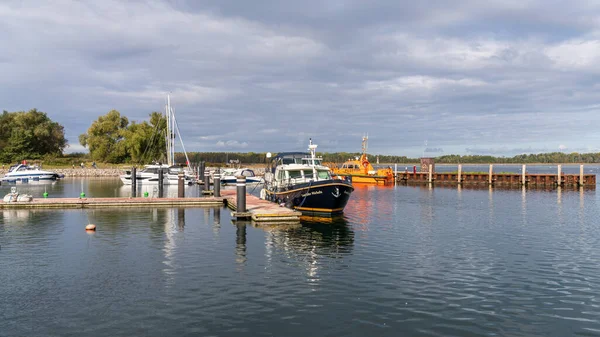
x: 311, y: 161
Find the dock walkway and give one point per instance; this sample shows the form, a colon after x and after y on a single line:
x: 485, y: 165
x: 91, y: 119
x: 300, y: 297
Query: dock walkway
x: 258, y: 210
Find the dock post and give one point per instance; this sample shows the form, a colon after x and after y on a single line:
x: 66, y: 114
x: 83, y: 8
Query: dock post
x: 133, y: 182
x: 459, y: 173
x: 430, y: 177
x: 206, y: 180
x: 161, y: 181
x: 180, y: 183
x: 581, y: 175
x: 490, y: 181
x: 395, y: 173
x: 241, y: 194
x: 558, y: 179
x: 200, y: 170
x: 523, y: 174
x: 217, y: 184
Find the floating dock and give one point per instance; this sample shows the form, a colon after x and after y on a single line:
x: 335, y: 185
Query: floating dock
x: 263, y: 211
x: 260, y: 211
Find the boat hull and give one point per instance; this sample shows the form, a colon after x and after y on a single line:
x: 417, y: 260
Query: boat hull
x: 29, y: 177
x: 368, y: 179
x: 322, y: 197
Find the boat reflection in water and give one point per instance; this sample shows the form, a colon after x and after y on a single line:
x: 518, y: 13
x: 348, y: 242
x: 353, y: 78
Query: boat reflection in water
x: 314, y: 244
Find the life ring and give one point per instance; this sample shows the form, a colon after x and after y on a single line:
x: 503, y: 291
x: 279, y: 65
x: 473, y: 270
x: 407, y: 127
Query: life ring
x: 365, y: 164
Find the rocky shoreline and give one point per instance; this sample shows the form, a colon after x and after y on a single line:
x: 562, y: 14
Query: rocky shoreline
x: 83, y: 172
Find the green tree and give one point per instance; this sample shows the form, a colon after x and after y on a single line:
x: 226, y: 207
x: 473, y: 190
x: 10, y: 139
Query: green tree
x: 105, y: 138
x: 146, y: 141
x: 29, y: 135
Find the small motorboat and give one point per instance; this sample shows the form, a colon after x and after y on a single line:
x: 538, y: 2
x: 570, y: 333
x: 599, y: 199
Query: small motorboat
x: 229, y: 176
x: 25, y: 173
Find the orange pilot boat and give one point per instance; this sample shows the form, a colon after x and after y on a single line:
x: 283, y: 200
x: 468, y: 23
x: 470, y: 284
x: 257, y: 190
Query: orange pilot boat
x: 361, y: 171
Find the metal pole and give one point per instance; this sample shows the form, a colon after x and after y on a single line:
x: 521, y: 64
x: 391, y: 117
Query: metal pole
x: 206, y: 180
x: 241, y: 194
x: 180, y: 184
x: 430, y: 177
x: 161, y: 180
x: 133, y: 182
x: 217, y: 184
x: 201, y: 170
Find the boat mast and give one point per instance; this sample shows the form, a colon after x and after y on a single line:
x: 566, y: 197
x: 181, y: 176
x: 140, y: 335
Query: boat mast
x: 313, y: 150
x: 168, y: 136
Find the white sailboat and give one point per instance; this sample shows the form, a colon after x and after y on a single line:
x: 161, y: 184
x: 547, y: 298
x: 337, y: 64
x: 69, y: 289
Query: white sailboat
x: 150, y: 173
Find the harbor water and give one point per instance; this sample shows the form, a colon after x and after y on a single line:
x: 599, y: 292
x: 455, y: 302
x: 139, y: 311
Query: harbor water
x: 401, y: 261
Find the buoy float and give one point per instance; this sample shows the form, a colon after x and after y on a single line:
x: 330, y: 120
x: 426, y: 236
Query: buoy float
x: 45, y: 194
x: 90, y: 227
x: 82, y: 195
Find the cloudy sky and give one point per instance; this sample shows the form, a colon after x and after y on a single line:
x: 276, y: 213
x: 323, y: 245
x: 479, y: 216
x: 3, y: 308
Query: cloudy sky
x: 498, y: 77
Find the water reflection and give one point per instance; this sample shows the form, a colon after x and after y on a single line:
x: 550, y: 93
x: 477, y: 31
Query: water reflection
x: 316, y: 243
x: 240, y: 243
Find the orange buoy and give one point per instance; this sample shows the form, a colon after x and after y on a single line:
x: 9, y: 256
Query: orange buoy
x: 90, y: 227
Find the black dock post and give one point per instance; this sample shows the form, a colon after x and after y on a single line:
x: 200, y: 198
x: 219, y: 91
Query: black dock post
x: 217, y: 184
x: 133, y: 182
x: 201, y: 170
x: 161, y: 181
x: 206, y: 180
x: 180, y: 185
x: 241, y: 194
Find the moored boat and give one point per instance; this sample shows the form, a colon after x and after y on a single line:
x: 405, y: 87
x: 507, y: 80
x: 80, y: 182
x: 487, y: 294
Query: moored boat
x: 26, y: 173
x: 229, y: 176
x: 298, y: 180
x: 150, y: 173
x: 361, y: 170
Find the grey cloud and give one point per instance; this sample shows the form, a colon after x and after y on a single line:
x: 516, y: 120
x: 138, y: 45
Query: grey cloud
x: 272, y: 74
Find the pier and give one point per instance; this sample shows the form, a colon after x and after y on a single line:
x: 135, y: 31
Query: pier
x: 257, y: 210
x: 530, y: 179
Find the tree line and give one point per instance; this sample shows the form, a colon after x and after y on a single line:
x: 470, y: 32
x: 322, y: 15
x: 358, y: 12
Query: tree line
x: 112, y: 138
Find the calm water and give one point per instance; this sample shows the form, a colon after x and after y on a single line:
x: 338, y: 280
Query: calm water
x: 403, y: 261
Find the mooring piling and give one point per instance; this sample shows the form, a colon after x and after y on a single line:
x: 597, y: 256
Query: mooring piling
x: 580, y: 175
x: 133, y: 181
x: 180, y: 185
x: 490, y: 181
x: 217, y: 184
x: 523, y: 177
x: 558, y: 178
x: 161, y: 180
x: 459, y: 173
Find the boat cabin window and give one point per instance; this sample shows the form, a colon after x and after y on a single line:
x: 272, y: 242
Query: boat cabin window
x: 281, y: 175
x: 308, y: 174
x: 247, y: 173
x: 324, y: 174
x: 294, y: 174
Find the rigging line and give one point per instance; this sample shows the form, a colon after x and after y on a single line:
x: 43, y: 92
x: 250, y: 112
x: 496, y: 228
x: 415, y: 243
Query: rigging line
x: 180, y: 139
x: 152, y: 138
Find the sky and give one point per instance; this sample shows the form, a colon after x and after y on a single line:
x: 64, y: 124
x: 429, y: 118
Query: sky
x: 420, y: 78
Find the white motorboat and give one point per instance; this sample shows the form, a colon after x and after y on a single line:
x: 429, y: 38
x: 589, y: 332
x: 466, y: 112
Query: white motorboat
x: 229, y: 176
x: 150, y: 174
x: 25, y: 173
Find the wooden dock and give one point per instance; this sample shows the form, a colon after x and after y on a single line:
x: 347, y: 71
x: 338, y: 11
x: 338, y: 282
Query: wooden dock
x: 263, y: 211
x: 260, y: 211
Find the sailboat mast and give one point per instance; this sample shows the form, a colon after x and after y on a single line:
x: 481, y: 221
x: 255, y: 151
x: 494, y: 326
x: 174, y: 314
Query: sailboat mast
x: 170, y: 147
